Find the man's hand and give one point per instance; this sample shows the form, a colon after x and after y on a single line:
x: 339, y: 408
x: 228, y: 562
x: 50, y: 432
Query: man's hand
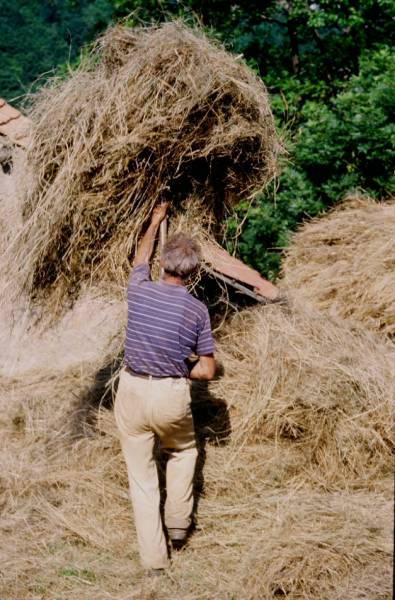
x: 204, y: 369
x: 159, y: 213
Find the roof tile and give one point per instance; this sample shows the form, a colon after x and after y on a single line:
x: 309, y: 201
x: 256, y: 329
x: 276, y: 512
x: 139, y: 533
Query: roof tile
x: 13, y: 124
x: 7, y: 113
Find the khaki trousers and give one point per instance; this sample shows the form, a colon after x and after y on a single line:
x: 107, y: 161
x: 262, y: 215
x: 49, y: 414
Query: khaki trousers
x: 143, y: 408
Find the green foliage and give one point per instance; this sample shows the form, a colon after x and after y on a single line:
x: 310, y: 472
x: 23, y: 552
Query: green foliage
x: 338, y: 147
x: 271, y: 218
x: 318, y: 42
x: 349, y: 143
x: 36, y: 37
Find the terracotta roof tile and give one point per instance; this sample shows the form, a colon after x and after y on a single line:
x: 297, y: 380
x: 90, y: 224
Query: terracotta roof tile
x: 13, y: 124
x: 7, y: 113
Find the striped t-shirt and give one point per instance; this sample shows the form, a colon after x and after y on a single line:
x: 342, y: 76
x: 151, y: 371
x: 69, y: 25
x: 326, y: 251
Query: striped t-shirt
x: 165, y: 325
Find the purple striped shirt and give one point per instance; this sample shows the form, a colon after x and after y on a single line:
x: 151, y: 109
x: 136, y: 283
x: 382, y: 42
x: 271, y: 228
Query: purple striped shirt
x: 165, y: 325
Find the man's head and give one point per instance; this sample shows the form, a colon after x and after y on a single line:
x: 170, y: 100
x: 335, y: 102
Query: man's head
x: 180, y: 255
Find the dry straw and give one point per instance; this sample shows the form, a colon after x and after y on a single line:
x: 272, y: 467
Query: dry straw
x: 295, y: 446
x: 308, y: 382
x: 345, y: 263
x: 155, y: 113
x: 11, y: 199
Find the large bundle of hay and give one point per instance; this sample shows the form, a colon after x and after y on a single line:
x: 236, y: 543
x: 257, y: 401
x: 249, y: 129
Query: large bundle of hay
x: 157, y: 113
x: 344, y: 262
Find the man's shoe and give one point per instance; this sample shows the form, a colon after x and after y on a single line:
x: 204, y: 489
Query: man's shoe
x: 178, y: 537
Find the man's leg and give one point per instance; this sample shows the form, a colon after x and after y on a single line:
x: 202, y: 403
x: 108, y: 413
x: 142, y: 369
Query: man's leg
x: 144, y: 491
x: 137, y: 440
x: 180, y: 445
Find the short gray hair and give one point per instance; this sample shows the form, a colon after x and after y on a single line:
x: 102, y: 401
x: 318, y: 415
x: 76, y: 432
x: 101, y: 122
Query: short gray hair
x: 180, y: 255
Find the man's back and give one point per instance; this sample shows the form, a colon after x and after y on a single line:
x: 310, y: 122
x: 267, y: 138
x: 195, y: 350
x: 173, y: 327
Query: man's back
x: 165, y: 325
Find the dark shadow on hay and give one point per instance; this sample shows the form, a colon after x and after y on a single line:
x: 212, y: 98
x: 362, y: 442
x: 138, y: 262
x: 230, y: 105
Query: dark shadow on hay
x: 221, y: 299
x: 212, y: 425
x: 100, y: 394
x: 6, y: 162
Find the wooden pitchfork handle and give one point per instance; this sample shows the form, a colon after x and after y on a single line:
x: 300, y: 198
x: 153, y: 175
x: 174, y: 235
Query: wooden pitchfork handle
x: 162, y: 238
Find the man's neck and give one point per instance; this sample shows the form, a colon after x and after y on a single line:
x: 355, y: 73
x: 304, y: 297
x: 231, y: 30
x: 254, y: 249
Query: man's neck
x: 172, y: 279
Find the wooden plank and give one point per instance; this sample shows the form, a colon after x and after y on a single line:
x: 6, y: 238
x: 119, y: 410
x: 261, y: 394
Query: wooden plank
x: 238, y: 286
x: 220, y: 261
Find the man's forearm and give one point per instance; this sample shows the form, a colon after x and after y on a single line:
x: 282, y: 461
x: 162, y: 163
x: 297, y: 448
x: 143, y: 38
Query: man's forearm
x: 146, y: 246
x: 204, y: 369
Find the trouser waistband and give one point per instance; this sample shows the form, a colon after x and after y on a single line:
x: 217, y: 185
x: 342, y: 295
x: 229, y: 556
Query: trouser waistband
x: 147, y: 376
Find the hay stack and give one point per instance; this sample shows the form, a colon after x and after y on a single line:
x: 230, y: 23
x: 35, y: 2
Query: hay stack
x: 313, y: 386
x: 344, y: 262
x: 154, y: 113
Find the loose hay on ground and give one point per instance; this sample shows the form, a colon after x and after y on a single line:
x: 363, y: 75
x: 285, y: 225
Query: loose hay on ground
x: 89, y: 334
x: 296, y: 498
x: 344, y: 262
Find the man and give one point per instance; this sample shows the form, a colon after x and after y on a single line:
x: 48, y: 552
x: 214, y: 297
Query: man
x: 165, y: 325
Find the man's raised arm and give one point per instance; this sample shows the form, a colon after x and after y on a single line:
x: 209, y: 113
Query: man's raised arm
x: 146, y: 246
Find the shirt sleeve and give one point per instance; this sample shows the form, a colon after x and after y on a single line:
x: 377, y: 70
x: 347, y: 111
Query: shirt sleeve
x: 205, y: 342
x: 139, y: 274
